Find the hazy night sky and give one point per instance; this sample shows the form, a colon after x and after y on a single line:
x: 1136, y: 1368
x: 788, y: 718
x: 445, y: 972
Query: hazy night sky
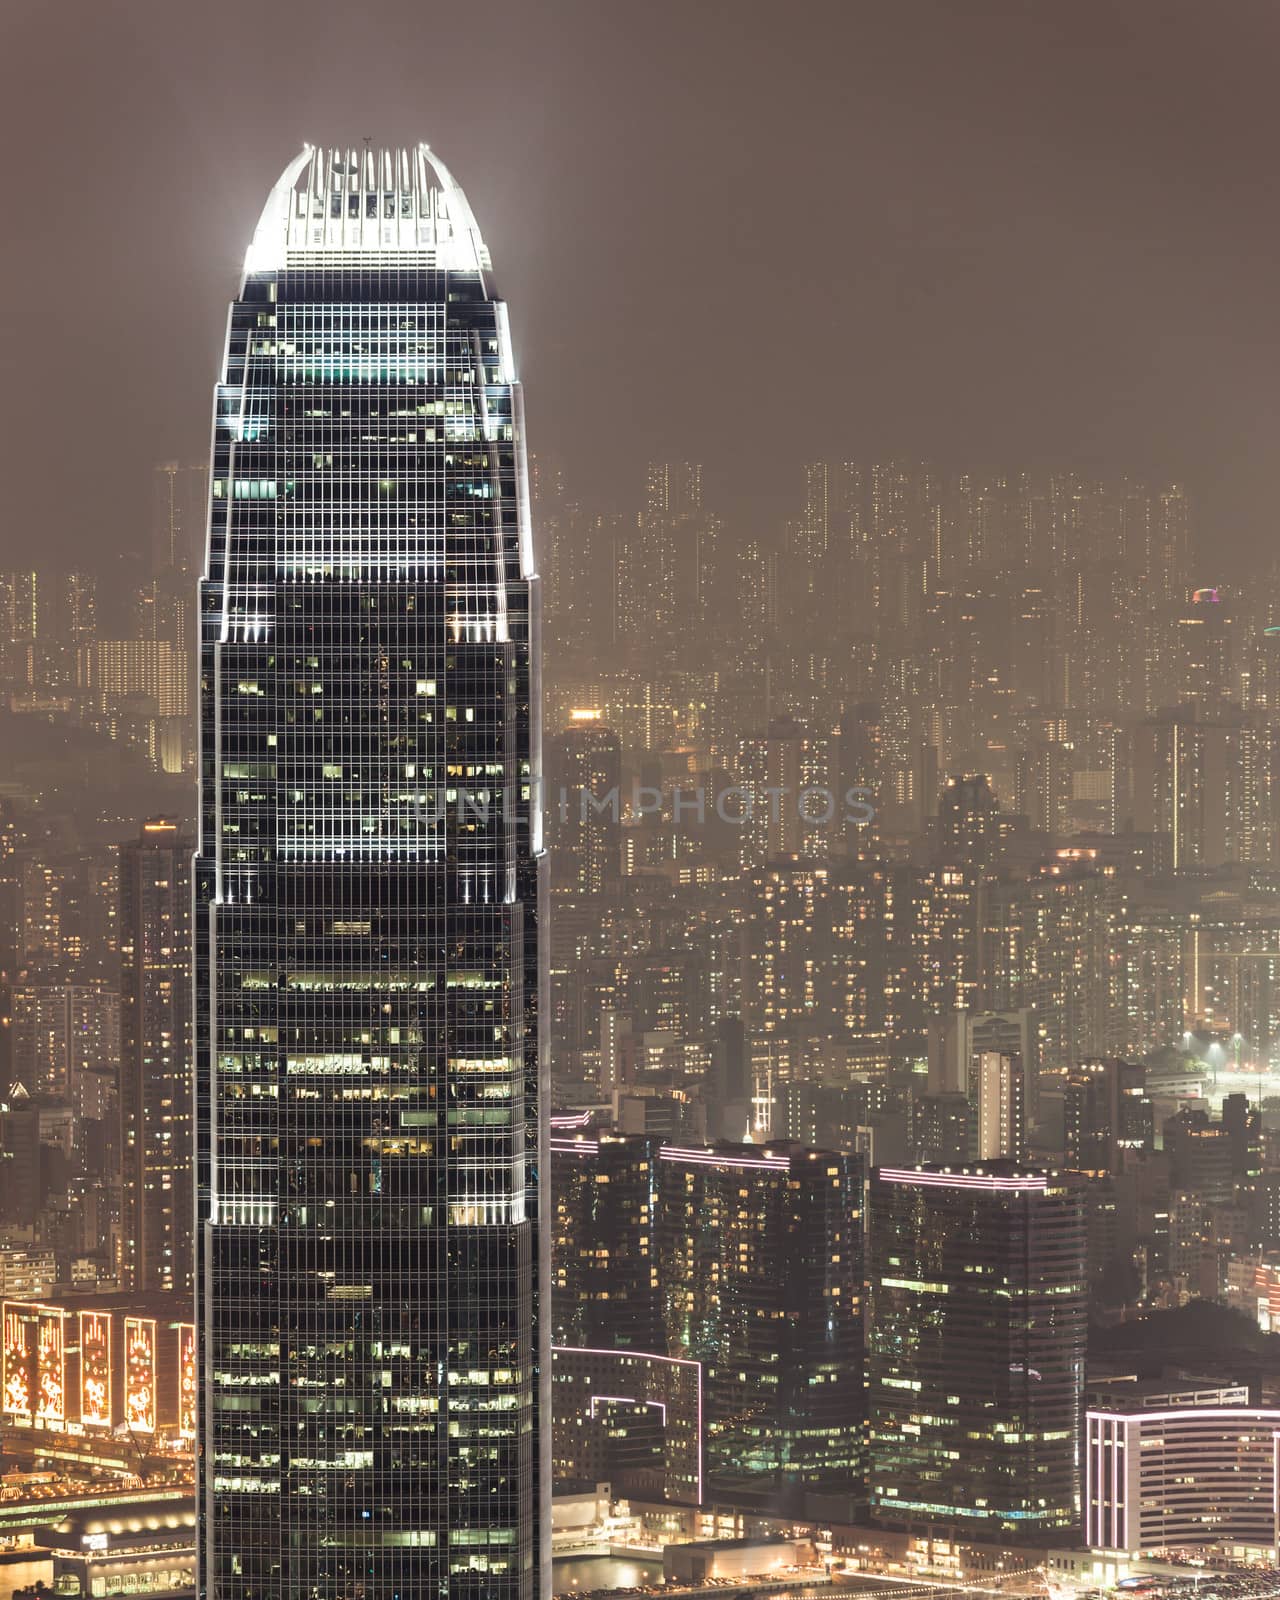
x: 749, y: 234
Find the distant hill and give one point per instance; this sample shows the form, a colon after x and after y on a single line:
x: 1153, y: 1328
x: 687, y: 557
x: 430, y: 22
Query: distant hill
x: 1201, y: 1336
x: 102, y: 785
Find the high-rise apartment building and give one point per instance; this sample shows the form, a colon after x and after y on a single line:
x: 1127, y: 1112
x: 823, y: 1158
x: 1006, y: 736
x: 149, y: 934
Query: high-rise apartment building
x: 968, y: 823
x: 155, y: 1058
x: 976, y: 1344
x: 955, y: 1042
x: 139, y: 690
x: 179, y: 520
x: 998, y: 1094
x: 583, y: 805
x: 943, y: 1128
x: 45, y: 620
x: 940, y: 942
x: 815, y: 948
x: 373, y: 1352
x: 787, y: 804
x: 1045, y: 772
x: 61, y: 1030
x: 1212, y: 784
x: 990, y: 1060
x: 1051, y: 947
x: 1173, y: 543
x: 667, y: 562
x: 1106, y: 1112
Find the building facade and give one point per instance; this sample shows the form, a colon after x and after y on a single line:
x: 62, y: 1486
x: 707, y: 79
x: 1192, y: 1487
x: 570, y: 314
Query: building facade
x: 584, y: 805
x: 605, y: 1269
x: 373, y: 1362
x: 628, y: 1418
x: 976, y: 1348
x: 155, y: 1059
x: 761, y: 1251
x: 1161, y: 1480
x: 1106, y: 1112
x: 744, y: 1260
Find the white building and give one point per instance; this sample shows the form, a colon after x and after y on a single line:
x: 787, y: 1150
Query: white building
x: 1160, y: 1480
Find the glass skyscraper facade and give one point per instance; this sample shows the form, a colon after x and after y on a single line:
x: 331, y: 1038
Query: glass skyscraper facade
x: 744, y: 1260
x: 371, y: 1267
x: 976, y: 1350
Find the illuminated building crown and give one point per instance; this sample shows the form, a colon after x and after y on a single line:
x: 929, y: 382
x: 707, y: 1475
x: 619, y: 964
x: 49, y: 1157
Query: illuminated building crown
x: 331, y: 207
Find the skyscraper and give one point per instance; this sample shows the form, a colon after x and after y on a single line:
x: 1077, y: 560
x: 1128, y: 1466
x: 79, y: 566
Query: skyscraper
x: 760, y: 1252
x: 976, y: 1349
x: 180, y: 496
x: 155, y: 1057
x: 788, y: 781
x: 46, y: 620
x: 584, y: 805
x: 997, y: 1088
x: 605, y: 1279
x: 968, y: 826
x: 742, y: 1259
x: 1106, y: 1112
x: 370, y: 1261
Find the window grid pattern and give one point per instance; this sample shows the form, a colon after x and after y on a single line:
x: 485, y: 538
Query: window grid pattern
x: 367, y: 952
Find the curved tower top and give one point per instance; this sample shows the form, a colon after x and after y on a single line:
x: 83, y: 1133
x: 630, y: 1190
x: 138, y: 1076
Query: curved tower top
x: 349, y: 207
x: 371, y: 1165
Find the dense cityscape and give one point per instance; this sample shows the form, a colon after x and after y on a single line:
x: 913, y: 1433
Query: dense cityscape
x: 914, y: 1020
x: 570, y: 1031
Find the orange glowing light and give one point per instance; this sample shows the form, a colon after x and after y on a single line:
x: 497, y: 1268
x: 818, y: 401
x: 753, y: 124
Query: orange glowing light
x: 95, y: 1369
x: 19, y: 1359
x: 140, y: 1374
x: 186, y: 1380
x: 51, y: 1367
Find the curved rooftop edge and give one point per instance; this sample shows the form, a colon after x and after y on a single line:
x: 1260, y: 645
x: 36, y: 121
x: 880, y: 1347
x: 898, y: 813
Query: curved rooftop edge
x: 389, y: 206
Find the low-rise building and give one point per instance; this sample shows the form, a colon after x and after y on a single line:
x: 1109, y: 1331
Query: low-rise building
x: 1181, y: 1477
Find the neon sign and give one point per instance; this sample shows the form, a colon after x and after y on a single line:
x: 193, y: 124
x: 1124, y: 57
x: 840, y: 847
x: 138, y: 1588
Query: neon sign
x: 19, y: 1359
x: 95, y: 1369
x: 186, y: 1380
x: 140, y: 1374
x: 51, y: 1367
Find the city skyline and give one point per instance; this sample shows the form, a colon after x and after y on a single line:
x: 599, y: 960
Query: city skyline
x: 684, y: 991
x: 990, y: 274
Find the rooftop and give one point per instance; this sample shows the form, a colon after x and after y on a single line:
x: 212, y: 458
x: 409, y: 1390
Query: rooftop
x: 367, y: 206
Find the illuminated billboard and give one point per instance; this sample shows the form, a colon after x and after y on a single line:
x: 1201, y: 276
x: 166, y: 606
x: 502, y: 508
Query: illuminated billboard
x: 19, y: 1359
x: 140, y: 1374
x: 186, y: 1380
x: 95, y: 1369
x: 51, y: 1366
